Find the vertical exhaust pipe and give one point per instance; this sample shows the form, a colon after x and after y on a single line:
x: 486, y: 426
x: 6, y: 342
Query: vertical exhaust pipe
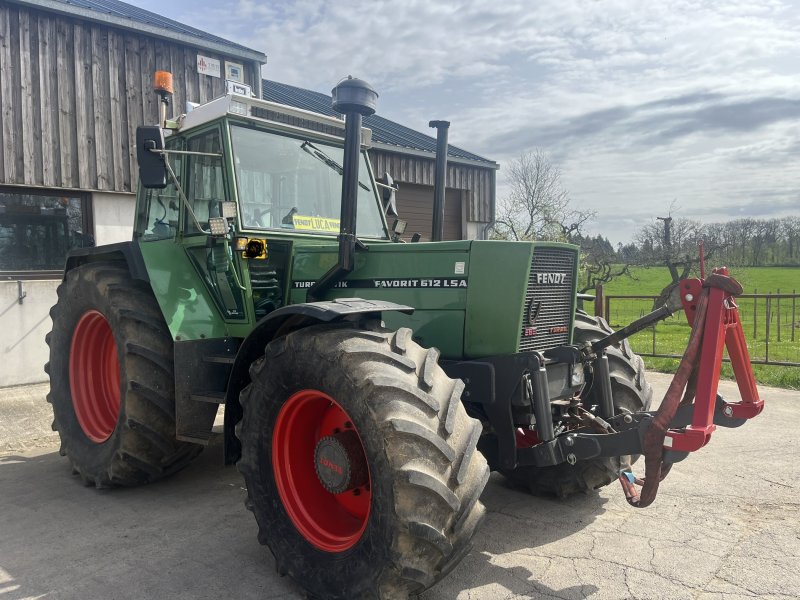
x: 355, y: 99
x: 440, y: 181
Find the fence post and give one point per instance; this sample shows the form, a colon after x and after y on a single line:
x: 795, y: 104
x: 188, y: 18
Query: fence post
x: 599, y: 300
x: 779, y: 314
x: 769, y: 310
x: 654, y: 338
x: 794, y: 313
x: 755, y: 313
x: 607, y: 309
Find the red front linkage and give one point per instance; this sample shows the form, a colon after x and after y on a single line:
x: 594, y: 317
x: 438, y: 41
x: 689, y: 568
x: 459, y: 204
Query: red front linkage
x: 723, y: 327
x: 714, y: 316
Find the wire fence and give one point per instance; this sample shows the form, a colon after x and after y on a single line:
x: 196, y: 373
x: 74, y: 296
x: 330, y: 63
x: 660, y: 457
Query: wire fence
x: 770, y: 321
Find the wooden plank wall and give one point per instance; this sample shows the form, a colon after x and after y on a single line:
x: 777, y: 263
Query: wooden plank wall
x: 73, y: 92
x: 476, y: 182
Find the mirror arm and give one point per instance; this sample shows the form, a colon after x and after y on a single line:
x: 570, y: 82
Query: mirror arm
x: 394, y: 187
x: 185, y: 152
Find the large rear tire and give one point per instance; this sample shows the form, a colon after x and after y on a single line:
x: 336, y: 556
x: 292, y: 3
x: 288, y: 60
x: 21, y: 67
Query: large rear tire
x: 630, y: 391
x: 112, y: 380
x: 405, y: 444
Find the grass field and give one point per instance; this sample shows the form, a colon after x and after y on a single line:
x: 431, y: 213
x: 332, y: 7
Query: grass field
x: 671, y: 335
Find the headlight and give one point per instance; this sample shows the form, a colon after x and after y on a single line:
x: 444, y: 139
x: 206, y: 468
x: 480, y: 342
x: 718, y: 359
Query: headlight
x: 577, y: 378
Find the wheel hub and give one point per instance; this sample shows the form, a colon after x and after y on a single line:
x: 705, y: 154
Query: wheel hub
x: 339, y: 462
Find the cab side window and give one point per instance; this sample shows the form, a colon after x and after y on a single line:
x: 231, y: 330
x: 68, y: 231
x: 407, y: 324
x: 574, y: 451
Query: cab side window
x: 205, y: 184
x: 158, y: 216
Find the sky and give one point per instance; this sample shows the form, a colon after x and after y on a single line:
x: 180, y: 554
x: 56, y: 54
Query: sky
x: 644, y: 106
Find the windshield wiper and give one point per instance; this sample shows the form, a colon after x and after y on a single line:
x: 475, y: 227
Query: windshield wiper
x: 324, y: 158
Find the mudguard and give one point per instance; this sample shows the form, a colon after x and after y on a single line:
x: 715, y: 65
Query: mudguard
x: 122, y: 252
x: 280, y: 322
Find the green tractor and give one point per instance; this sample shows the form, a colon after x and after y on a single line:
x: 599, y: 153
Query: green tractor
x: 369, y: 385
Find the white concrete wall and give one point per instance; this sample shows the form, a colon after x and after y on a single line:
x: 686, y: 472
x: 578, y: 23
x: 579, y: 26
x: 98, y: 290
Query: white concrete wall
x: 23, y: 352
x: 113, y: 217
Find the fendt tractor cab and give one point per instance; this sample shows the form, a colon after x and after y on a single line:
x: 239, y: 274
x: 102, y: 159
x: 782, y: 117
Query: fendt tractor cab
x: 366, y: 382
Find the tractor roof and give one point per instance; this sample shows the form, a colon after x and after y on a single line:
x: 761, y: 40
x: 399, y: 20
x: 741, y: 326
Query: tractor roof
x: 280, y: 116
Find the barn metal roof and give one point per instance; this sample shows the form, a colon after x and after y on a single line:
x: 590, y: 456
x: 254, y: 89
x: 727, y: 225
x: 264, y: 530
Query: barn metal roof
x: 386, y: 134
x: 127, y: 16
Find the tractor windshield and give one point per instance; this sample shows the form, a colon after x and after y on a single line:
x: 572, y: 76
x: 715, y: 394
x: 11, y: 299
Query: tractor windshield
x: 291, y: 183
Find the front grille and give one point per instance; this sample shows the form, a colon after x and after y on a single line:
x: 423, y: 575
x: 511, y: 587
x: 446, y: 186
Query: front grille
x: 551, y: 325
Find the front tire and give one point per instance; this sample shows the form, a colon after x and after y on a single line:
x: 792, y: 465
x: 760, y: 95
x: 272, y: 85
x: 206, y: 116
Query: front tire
x: 630, y: 391
x: 112, y: 381
x: 417, y: 504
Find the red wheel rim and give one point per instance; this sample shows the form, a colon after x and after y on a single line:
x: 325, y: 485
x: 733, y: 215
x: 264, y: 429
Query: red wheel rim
x: 94, y: 376
x: 330, y: 522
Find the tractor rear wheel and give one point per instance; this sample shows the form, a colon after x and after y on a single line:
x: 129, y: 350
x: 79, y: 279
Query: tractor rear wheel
x: 360, y: 461
x: 630, y: 391
x: 112, y: 380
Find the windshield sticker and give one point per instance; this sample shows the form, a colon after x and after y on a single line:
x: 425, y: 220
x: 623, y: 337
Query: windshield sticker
x: 315, y: 223
x: 436, y: 282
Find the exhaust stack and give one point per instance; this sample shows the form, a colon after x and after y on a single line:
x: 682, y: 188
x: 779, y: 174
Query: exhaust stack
x: 354, y: 98
x: 440, y: 181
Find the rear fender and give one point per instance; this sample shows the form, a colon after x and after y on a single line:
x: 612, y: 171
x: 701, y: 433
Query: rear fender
x: 279, y: 323
x: 127, y: 253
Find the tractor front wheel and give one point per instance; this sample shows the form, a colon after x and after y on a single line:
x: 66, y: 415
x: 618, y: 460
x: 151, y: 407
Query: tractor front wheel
x: 361, y: 464
x: 112, y: 381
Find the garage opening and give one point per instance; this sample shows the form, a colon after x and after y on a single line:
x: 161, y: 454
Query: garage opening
x: 415, y: 205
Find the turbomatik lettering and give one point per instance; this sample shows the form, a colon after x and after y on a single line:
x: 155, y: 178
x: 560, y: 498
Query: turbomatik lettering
x: 392, y: 283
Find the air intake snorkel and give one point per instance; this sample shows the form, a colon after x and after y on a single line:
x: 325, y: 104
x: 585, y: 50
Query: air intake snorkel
x: 354, y: 98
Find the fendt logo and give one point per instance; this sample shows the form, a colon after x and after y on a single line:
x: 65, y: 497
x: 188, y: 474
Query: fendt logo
x: 331, y: 465
x: 553, y: 278
x: 533, y: 312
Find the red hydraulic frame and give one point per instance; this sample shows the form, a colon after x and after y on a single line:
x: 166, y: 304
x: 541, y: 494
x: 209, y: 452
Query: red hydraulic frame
x: 722, y: 328
x: 711, y: 310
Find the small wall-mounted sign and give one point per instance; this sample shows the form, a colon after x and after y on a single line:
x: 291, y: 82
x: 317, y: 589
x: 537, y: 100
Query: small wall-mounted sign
x: 232, y: 87
x: 234, y: 72
x: 208, y: 66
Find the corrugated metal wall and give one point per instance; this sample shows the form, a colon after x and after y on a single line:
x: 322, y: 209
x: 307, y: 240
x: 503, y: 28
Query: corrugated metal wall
x: 476, y: 183
x: 72, y: 94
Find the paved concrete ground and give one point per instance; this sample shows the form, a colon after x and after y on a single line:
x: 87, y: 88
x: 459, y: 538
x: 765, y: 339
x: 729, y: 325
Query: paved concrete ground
x: 725, y: 526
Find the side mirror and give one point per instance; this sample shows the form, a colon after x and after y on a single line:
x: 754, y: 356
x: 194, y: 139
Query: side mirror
x: 152, y: 169
x: 388, y: 189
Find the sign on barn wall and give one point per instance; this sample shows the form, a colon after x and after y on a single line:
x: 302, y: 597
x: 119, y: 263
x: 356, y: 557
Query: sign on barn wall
x: 208, y: 66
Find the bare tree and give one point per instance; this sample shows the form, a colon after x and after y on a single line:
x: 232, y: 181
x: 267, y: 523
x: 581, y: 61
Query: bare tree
x: 537, y: 206
x: 674, y: 243
x: 599, y: 264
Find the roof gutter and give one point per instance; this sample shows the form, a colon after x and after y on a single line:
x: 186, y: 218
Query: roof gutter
x: 486, y: 164
x: 234, y: 51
